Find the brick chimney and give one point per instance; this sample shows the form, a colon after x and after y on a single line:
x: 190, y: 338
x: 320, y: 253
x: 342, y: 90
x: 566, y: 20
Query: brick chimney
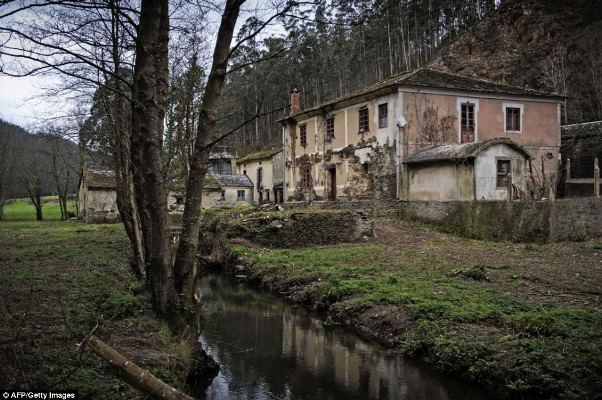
x: 295, y: 101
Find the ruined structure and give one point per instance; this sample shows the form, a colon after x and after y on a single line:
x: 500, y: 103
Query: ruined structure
x: 97, y: 197
x: 266, y: 171
x: 357, y: 146
x: 222, y: 186
x: 581, y: 145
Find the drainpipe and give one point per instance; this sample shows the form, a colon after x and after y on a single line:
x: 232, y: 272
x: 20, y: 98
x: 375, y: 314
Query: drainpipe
x: 401, y: 123
x: 284, y: 158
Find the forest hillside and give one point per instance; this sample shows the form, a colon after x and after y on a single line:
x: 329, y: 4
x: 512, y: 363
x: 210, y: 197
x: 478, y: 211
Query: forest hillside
x: 551, y: 45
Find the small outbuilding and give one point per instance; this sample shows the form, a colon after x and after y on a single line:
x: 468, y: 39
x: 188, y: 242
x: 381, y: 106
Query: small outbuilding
x: 490, y: 170
x: 226, y: 191
x: 97, y: 196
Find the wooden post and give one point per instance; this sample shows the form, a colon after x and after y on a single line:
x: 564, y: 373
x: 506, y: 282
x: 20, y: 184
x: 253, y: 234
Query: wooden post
x: 567, y: 177
x: 596, y: 178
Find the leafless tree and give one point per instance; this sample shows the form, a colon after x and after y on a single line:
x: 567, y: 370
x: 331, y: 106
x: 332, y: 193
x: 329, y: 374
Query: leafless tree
x: 555, y: 74
x: 30, y: 175
x: 6, y: 163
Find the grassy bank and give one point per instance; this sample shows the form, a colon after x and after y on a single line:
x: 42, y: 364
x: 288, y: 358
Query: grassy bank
x: 58, y: 281
x: 23, y: 210
x: 522, y: 319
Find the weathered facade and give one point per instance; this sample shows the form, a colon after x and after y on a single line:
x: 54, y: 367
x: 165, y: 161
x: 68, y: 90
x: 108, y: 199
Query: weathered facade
x: 490, y: 170
x: 223, y: 191
x: 97, y: 197
x: 356, y: 146
x: 266, y: 171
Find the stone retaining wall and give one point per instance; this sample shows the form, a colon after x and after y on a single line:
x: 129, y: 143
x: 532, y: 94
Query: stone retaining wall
x: 518, y: 221
x: 306, y: 228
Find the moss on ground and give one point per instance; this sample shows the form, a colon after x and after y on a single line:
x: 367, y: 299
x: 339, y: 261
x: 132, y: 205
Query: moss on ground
x: 469, y: 315
x: 58, y: 281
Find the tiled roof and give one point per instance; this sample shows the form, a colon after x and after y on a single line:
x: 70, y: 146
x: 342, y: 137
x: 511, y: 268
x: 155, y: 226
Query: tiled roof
x: 584, y: 128
x: 258, y: 155
x: 450, y: 152
x: 430, y: 78
x: 233, y: 180
x: 224, y: 155
x: 99, y: 178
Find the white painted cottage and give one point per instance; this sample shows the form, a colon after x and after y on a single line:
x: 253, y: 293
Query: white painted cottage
x: 494, y: 169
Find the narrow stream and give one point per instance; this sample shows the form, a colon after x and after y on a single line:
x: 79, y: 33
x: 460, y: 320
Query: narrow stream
x: 268, y: 349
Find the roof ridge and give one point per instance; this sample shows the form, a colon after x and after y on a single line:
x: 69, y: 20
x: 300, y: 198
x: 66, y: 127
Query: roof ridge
x: 490, y: 81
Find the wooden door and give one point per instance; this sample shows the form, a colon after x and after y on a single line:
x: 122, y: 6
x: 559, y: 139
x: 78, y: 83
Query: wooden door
x: 333, y: 183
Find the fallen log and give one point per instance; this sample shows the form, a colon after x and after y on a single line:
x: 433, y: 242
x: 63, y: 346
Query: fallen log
x: 134, y: 375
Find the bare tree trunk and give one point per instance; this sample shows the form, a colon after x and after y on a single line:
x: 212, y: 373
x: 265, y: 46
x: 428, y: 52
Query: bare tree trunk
x: 139, y: 378
x: 148, y: 111
x: 186, y: 256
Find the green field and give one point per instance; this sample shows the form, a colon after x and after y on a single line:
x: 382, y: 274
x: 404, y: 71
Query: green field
x: 23, y: 210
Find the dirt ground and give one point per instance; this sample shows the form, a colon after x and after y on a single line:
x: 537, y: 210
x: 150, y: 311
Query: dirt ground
x: 566, y: 273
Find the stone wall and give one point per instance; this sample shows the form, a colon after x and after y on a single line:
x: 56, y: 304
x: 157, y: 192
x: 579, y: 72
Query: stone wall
x: 518, y: 221
x: 578, y: 218
x: 304, y: 228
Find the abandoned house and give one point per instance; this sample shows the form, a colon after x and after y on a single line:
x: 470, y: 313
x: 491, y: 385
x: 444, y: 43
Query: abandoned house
x: 266, y: 171
x: 360, y: 146
x: 222, y: 186
x: 581, y: 146
x: 97, y: 197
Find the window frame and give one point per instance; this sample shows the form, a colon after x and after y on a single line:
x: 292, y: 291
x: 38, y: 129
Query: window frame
x: 475, y: 102
x: 238, y: 195
x: 303, y: 135
x: 363, y: 120
x: 305, y: 177
x: 505, y: 108
x: 507, y: 176
x: 383, y: 120
x: 329, y: 128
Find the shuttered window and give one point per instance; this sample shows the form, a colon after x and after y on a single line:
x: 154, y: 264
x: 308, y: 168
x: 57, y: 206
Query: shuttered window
x: 503, y: 174
x: 303, y: 135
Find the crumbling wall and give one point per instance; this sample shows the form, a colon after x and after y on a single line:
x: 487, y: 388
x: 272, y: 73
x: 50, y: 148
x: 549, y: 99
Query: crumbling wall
x: 300, y: 229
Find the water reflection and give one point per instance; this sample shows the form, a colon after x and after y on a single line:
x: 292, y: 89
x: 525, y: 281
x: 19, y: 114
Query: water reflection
x: 270, y: 350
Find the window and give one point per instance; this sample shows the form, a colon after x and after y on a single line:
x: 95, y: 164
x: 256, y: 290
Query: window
x: 383, y: 112
x: 330, y: 128
x: 503, y: 174
x: 467, y: 123
x: 305, y: 182
x: 223, y: 195
x: 259, y: 176
x: 363, y: 120
x: 303, y: 135
x: 240, y: 195
x: 513, y: 119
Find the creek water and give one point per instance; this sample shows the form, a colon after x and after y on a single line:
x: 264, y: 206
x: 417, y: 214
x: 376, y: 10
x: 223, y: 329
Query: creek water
x: 268, y: 349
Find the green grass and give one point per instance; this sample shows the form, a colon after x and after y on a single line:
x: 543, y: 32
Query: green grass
x: 58, y: 281
x: 23, y: 210
x: 462, y: 321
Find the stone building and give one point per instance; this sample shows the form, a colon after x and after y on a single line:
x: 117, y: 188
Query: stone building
x: 266, y: 171
x: 222, y: 186
x: 356, y: 146
x: 581, y: 144
x: 226, y: 191
x: 97, y: 197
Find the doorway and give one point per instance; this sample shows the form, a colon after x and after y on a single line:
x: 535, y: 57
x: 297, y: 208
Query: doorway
x: 333, y: 183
